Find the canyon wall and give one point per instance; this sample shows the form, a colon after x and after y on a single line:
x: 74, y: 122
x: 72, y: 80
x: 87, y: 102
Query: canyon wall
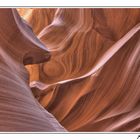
x: 19, y: 110
x: 84, y: 69
x: 91, y: 82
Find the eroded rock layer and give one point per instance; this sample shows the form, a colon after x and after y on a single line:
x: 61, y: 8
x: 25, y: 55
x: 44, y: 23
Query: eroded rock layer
x: 91, y: 82
x: 19, y: 110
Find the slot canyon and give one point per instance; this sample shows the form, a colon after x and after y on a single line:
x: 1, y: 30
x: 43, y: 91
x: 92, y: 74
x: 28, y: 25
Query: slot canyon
x: 70, y: 69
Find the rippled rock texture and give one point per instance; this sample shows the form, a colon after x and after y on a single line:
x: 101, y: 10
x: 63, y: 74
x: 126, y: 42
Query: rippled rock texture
x: 19, y: 110
x: 85, y: 73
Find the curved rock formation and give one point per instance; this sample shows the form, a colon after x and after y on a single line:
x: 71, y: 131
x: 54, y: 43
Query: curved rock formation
x: 19, y: 110
x: 91, y: 82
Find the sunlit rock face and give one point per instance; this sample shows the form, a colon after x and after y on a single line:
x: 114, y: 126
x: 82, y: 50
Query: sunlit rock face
x: 84, y: 69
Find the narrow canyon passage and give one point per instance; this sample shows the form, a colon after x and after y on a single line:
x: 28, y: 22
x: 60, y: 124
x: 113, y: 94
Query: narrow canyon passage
x: 82, y: 69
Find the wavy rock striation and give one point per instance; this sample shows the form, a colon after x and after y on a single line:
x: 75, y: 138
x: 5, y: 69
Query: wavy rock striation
x: 90, y: 83
x: 19, y: 110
